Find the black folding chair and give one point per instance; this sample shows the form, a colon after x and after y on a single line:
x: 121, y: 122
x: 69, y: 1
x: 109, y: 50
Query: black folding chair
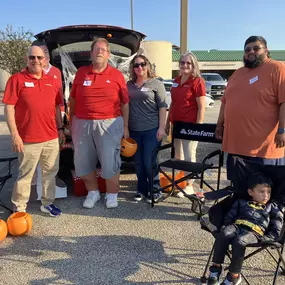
x: 214, y: 221
x: 3, y: 179
x: 195, y: 170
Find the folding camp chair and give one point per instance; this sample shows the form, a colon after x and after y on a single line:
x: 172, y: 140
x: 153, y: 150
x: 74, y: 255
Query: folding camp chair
x: 214, y: 221
x: 194, y: 170
x: 3, y: 179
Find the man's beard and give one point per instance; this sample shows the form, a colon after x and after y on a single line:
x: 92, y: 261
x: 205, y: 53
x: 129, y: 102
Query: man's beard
x: 254, y: 63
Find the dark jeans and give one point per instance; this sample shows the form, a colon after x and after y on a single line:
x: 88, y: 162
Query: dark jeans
x: 265, y: 161
x: 147, y: 142
x: 239, y: 237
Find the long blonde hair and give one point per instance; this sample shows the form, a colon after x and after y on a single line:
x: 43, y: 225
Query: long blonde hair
x: 132, y: 74
x: 195, y: 67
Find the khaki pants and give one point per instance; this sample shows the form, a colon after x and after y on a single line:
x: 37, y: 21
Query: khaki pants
x: 185, y: 149
x: 47, y: 155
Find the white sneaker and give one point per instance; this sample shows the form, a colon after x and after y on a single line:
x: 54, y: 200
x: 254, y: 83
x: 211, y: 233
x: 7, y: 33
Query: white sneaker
x: 91, y: 199
x: 189, y: 190
x: 111, y: 200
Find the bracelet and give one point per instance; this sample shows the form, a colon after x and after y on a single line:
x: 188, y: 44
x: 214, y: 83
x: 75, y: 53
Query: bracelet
x: 281, y: 131
x: 60, y: 129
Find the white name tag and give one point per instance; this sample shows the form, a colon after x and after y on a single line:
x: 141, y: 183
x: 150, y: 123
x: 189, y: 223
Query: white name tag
x: 254, y: 79
x: 144, y: 89
x: 29, y: 84
x: 174, y: 84
x: 87, y: 83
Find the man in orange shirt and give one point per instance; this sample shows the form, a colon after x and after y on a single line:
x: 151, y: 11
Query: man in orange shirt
x: 252, y: 115
x: 32, y: 108
x: 99, y: 112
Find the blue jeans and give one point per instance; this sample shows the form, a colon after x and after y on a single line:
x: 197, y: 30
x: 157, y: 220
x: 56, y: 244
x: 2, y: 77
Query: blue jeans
x: 147, y: 142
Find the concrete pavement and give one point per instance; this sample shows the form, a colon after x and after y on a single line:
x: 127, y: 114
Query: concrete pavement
x: 132, y: 244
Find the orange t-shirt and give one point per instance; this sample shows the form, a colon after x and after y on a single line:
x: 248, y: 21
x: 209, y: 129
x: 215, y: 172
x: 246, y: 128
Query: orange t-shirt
x: 252, y: 102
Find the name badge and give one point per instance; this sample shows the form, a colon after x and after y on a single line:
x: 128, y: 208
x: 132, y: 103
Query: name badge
x: 144, y: 89
x: 87, y: 83
x: 174, y: 85
x: 29, y: 84
x: 254, y: 79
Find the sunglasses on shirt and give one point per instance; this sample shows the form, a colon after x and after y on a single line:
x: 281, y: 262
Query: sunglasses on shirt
x: 33, y: 57
x: 255, y: 49
x: 142, y: 64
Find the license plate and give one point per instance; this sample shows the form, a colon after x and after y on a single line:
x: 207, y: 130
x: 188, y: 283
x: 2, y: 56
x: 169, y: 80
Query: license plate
x: 219, y: 92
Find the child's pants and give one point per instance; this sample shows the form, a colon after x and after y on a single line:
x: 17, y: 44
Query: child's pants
x: 239, y: 237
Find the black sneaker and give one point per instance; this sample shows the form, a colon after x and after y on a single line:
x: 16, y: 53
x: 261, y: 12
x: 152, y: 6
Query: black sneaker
x: 230, y: 280
x: 157, y: 196
x: 138, y: 197
x: 215, y: 275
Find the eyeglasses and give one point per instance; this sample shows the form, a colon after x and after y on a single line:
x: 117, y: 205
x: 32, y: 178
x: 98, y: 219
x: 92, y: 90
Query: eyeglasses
x: 33, y: 57
x: 185, y: 62
x: 255, y: 49
x: 98, y: 49
x: 142, y: 64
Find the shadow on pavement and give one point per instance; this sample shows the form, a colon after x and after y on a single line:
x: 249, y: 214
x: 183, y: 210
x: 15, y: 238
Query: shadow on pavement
x: 96, y: 260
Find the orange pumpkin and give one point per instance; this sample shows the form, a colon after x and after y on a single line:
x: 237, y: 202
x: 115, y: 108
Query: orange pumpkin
x: 3, y: 230
x: 19, y: 223
x: 164, y: 181
x: 128, y: 147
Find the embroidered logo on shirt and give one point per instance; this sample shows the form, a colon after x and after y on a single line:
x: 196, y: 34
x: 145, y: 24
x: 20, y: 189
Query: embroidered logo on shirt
x: 144, y: 89
x: 54, y: 76
x: 29, y: 84
x: 108, y: 81
x: 47, y: 84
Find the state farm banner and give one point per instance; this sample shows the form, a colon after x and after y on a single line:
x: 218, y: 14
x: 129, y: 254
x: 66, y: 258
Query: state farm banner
x: 195, y: 132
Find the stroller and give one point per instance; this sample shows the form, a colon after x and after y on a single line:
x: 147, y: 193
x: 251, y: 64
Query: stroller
x: 213, y: 221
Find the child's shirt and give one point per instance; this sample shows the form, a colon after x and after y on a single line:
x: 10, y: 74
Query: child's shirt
x: 262, y: 219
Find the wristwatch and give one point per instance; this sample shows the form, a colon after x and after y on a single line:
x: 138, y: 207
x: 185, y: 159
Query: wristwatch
x: 60, y: 129
x: 281, y: 131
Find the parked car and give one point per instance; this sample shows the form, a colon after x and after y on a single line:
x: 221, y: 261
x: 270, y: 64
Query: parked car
x: 168, y: 84
x: 215, y: 84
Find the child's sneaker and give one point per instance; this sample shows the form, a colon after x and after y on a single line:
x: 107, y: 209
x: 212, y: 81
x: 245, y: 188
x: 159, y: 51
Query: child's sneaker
x: 51, y: 209
x: 230, y: 280
x: 91, y: 198
x: 215, y: 275
x: 156, y: 197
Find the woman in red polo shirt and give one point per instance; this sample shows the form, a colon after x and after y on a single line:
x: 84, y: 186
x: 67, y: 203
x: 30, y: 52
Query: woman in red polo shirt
x: 187, y: 105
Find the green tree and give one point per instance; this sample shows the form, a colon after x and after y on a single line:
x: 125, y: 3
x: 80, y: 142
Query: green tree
x: 13, y: 48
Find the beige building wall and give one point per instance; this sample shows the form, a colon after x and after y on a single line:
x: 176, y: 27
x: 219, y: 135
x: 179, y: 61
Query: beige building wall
x: 160, y: 54
x: 4, y: 76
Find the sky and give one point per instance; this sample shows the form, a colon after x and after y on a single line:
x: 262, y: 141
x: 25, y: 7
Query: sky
x: 212, y: 24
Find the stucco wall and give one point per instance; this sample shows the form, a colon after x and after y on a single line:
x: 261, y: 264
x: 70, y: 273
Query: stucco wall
x: 160, y: 54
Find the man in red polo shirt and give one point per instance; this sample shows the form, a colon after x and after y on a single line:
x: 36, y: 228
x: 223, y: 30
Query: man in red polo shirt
x: 99, y: 113
x: 55, y: 73
x: 32, y: 101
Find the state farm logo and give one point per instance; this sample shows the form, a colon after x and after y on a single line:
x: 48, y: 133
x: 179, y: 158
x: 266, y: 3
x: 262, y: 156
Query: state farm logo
x: 197, y: 133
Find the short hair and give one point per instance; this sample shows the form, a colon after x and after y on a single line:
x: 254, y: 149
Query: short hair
x: 259, y: 178
x: 150, y: 71
x: 194, y: 61
x: 100, y: 40
x: 41, y: 44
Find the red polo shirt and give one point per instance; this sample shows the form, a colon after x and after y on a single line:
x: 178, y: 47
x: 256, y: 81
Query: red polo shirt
x: 34, y: 101
x: 99, y: 95
x: 184, y: 106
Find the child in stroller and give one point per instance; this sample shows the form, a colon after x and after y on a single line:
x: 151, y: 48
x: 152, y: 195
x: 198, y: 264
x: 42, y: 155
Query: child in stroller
x: 248, y: 221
